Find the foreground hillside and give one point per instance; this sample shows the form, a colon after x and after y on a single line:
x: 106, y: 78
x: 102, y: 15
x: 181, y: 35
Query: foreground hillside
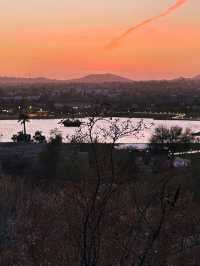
x: 123, y: 210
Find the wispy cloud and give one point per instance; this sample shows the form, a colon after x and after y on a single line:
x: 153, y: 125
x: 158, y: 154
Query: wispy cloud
x: 117, y: 41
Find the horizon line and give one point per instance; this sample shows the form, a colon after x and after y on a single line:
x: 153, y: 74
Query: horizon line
x: 131, y: 78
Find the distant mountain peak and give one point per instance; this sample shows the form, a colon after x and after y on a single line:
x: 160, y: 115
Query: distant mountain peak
x: 102, y: 78
x: 92, y: 78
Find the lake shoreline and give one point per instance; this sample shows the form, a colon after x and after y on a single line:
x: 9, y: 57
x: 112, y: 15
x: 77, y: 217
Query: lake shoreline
x: 10, y: 127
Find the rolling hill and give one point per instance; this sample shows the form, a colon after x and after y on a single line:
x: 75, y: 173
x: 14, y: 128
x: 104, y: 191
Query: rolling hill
x: 102, y: 78
x: 93, y: 78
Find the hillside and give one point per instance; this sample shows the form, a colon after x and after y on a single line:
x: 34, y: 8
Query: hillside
x: 102, y: 78
x: 96, y: 79
x: 21, y: 80
x: 93, y: 78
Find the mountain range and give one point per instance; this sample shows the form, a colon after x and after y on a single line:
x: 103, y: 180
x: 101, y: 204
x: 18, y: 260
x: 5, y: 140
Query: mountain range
x: 93, y: 78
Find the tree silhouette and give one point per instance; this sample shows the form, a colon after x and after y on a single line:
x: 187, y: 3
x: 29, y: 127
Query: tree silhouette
x: 23, y: 119
x: 173, y: 139
x: 38, y: 137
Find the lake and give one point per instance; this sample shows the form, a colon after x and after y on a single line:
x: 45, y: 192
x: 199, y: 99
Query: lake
x: 10, y: 127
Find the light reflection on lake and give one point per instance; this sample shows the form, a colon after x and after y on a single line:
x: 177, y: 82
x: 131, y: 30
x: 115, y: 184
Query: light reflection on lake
x: 10, y: 127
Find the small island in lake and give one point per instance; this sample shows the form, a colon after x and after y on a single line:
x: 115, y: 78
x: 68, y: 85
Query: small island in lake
x: 71, y: 122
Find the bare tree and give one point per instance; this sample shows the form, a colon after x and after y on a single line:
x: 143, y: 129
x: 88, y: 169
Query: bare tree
x: 108, y: 218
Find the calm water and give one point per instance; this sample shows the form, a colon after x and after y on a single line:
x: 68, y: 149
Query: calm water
x: 10, y: 127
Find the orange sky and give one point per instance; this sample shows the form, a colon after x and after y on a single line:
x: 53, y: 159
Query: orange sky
x: 69, y: 46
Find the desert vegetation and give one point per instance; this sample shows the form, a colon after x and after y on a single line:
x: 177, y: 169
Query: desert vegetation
x: 117, y: 212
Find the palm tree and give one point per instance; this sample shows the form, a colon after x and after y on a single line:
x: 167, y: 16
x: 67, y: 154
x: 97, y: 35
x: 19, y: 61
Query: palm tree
x: 23, y: 119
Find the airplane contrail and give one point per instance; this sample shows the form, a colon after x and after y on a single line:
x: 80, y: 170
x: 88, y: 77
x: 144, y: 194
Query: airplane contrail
x: 116, y: 42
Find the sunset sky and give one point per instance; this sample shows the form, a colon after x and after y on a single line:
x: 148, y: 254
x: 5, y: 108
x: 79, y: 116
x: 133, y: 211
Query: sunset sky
x: 67, y: 38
